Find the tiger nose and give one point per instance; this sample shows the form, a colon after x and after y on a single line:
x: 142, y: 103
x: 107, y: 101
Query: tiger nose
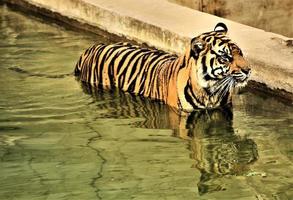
x: 246, y: 71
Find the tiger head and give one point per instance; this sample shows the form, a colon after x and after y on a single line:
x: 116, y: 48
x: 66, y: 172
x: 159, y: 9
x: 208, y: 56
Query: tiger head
x: 220, y: 62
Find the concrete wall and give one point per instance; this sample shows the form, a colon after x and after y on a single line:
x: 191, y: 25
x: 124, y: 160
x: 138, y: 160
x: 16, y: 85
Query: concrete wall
x: 169, y: 27
x: 269, y: 15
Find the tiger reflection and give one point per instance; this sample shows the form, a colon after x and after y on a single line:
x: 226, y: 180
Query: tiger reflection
x: 218, y: 152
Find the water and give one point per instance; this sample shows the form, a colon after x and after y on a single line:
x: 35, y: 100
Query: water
x: 60, y: 139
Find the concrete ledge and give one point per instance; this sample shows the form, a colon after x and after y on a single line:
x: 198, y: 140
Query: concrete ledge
x: 169, y: 27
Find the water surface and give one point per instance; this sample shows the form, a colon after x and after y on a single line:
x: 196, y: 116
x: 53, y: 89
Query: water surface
x: 60, y: 139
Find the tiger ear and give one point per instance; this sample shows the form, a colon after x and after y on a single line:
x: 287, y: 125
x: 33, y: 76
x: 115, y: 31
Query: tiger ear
x: 197, y: 45
x: 221, y: 27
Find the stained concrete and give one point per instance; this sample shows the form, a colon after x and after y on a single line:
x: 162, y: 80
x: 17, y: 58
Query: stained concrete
x: 269, y: 15
x: 169, y: 27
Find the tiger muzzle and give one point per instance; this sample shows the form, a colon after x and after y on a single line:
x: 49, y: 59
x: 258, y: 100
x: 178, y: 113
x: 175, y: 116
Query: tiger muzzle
x: 241, y: 75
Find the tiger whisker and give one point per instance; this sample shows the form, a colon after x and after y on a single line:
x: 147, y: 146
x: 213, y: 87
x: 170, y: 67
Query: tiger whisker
x: 228, y: 88
x: 220, y: 85
x: 223, y: 87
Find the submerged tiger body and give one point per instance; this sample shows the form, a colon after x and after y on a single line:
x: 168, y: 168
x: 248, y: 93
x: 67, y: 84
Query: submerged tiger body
x: 203, y: 77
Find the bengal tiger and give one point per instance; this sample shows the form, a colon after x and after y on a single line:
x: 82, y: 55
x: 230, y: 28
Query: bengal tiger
x: 203, y: 77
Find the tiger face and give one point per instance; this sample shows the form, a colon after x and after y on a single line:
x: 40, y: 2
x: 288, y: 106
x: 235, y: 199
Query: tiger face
x: 221, y: 65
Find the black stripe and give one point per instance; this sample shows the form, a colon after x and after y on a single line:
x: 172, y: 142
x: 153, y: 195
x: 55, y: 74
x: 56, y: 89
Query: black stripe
x: 194, y: 96
x: 89, y: 49
x: 95, y: 59
x: 204, y: 67
x: 155, y: 65
x: 101, y: 66
x: 171, y: 68
x: 121, y: 78
x: 133, y: 70
x: 221, y: 43
x: 77, y: 66
x: 208, y: 78
x: 160, y: 57
x: 217, y: 68
x: 143, y: 69
x: 220, y: 36
x: 214, y: 42
x: 111, y: 69
x: 213, y: 52
x: 130, y: 50
x: 111, y: 64
x: 97, y: 55
x: 183, y: 63
x: 188, y: 97
x: 89, y: 73
x: 141, y: 89
x: 145, y: 58
x: 153, y: 62
x: 212, y: 62
x: 107, y: 54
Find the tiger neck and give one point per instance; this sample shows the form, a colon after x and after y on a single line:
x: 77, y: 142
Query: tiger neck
x: 180, y: 83
x: 186, y: 76
x: 197, y: 89
x: 192, y: 93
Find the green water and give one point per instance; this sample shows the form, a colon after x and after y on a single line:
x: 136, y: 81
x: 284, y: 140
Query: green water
x: 63, y: 140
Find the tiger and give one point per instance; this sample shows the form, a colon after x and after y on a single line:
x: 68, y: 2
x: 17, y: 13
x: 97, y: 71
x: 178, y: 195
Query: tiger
x: 204, y: 77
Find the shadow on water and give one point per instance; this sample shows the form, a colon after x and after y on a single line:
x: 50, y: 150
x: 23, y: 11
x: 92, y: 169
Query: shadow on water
x: 217, y: 150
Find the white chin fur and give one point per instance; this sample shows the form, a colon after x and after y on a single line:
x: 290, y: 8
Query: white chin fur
x: 241, y: 84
